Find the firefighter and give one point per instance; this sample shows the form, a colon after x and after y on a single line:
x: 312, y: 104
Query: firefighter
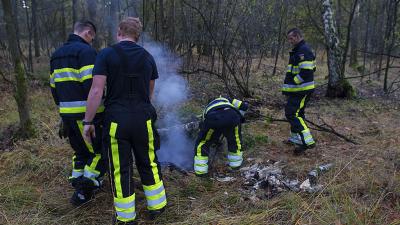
x: 298, y: 87
x: 129, y: 72
x: 71, y: 77
x: 222, y: 116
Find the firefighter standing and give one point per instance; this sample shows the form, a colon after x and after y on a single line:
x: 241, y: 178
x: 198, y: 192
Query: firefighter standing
x: 130, y: 73
x: 70, y: 80
x: 298, y: 87
x: 221, y: 116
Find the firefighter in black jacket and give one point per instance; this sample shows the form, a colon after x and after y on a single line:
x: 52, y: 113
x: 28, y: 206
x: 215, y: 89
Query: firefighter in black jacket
x: 298, y: 87
x: 221, y: 116
x: 129, y: 72
x: 70, y: 81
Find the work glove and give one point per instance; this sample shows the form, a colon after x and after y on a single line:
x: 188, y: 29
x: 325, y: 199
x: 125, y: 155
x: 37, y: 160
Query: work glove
x: 62, y: 130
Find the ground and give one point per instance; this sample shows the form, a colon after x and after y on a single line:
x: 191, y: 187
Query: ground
x: 362, y: 188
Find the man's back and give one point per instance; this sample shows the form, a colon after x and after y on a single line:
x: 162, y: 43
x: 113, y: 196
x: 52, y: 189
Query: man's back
x: 129, y: 69
x: 71, y: 76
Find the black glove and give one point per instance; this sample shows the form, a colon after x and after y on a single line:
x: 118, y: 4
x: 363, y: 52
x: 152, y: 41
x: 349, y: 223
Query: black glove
x: 62, y: 130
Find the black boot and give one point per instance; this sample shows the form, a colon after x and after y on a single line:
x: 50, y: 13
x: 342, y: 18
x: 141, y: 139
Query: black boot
x: 155, y: 213
x: 300, y: 149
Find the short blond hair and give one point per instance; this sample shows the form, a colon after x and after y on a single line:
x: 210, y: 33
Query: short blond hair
x: 130, y: 27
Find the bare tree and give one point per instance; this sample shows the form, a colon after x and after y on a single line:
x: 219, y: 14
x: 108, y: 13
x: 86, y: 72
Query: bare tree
x: 337, y: 85
x: 20, y: 88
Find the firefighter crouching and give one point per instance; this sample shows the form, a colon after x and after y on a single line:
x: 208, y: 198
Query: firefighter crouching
x: 129, y: 72
x: 298, y: 87
x: 222, y: 116
x: 71, y: 77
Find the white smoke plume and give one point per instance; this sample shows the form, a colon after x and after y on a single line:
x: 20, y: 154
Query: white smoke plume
x: 170, y: 92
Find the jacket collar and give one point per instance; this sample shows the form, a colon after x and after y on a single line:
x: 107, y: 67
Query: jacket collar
x: 298, y: 45
x: 76, y: 38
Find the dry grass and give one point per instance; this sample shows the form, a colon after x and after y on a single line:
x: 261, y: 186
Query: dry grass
x: 362, y: 188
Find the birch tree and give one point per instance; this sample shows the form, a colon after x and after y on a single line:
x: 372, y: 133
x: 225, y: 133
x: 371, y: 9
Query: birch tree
x: 337, y: 85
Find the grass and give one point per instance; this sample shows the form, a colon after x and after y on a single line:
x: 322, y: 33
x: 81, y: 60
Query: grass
x: 362, y: 188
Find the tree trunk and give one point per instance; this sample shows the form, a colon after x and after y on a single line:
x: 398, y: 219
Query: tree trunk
x: 35, y: 28
x: 337, y: 85
x: 20, y: 89
x: 74, y: 11
x: 112, y: 23
x: 92, y: 11
x: 392, y: 21
x: 354, y: 38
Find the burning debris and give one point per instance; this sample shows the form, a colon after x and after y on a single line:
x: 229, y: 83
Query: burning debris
x: 266, y: 181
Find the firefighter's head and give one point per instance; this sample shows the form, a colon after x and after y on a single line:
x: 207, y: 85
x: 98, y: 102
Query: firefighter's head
x: 86, y: 30
x: 131, y: 27
x: 294, y: 36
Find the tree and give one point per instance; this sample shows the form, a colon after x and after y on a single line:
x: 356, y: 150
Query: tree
x: 20, y: 89
x: 337, y: 85
x: 35, y: 28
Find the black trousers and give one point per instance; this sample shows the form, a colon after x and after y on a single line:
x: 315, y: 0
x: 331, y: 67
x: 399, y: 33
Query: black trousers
x: 295, y: 114
x: 130, y: 136
x: 225, y: 122
x: 87, y: 159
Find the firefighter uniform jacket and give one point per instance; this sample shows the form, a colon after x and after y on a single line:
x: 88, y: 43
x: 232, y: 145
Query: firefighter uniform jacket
x: 222, y: 116
x: 300, y: 72
x: 71, y: 76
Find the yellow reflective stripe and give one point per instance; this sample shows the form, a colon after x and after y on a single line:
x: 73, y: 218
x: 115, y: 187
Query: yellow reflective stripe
x: 81, y: 109
x: 297, y: 113
x: 236, y: 103
x: 125, y: 200
x: 88, y: 145
x: 297, y: 80
x: 307, y: 65
x: 153, y: 165
x: 157, y: 196
x: 77, y: 72
x: 94, y: 163
x: 293, y: 89
x: 115, y: 160
x: 153, y: 187
x: 239, y: 145
x: 208, y: 137
x: 218, y: 104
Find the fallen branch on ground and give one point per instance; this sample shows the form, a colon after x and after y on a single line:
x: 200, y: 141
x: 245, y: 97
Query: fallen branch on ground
x: 323, y: 127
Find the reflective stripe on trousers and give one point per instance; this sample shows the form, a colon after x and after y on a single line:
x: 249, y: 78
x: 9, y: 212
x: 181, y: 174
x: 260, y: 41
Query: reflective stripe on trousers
x: 125, y: 208
x: 155, y: 196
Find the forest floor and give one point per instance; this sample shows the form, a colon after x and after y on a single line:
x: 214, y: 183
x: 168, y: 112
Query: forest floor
x: 363, y: 187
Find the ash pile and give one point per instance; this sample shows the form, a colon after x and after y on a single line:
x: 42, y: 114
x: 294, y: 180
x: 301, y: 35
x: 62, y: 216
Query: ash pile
x: 266, y: 181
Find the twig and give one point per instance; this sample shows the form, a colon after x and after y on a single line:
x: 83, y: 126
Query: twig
x: 324, y: 128
x: 5, y: 78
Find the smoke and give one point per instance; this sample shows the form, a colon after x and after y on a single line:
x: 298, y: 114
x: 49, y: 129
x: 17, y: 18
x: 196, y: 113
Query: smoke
x: 170, y: 92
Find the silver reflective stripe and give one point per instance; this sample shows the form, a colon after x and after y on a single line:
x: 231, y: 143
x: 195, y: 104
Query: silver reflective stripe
x: 235, y: 157
x: 90, y: 175
x: 73, y: 104
x: 69, y: 74
x: 125, y: 205
x: 295, y: 70
x: 131, y: 215
x: 76, y: 173
x: 200, y: 161
x: 298, y: 86
x: 154, y: 192
x: 201, y: 168
x: 289, y: 68
x: 307, y: 65
x: 300, y: 79
x: 235, y: 163
x: 151, y: 203
x: 236, y: 103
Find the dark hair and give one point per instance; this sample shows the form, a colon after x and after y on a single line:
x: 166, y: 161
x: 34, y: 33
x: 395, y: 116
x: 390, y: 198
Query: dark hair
x: 296, y: 31
x: 82, y: 25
